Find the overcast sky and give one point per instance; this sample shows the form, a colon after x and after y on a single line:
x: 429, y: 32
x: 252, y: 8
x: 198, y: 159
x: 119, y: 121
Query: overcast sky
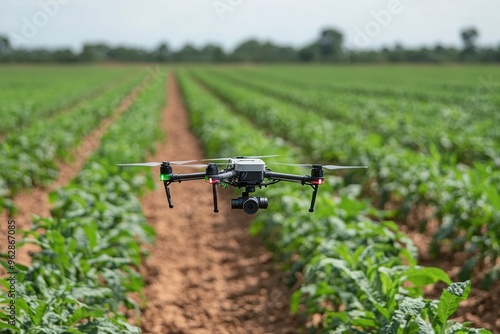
x: 145, y: 23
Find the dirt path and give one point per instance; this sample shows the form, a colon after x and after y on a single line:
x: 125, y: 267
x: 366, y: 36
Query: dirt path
x: 205, y: 273
x: 36, y: 201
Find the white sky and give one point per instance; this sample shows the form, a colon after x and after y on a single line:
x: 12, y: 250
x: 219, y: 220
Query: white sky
x: 70, y: 23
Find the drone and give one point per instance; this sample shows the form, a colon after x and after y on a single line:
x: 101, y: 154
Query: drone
x: 241, y: 172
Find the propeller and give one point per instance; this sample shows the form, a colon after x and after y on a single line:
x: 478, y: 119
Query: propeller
x: 203, y: 165
x: 243, y: 157
x: 156, y: 163
x: 330, y: 167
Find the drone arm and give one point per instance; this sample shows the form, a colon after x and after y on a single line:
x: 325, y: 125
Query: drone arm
x: 313, y: 181
x: 186, y: 177
x: 226, y: 175
x: 169, y: 178
x: 288, y: 177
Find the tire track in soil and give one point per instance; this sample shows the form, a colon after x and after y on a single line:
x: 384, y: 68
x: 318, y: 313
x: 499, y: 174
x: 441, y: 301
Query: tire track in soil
x: 206, y: 274
x: 36, y: 201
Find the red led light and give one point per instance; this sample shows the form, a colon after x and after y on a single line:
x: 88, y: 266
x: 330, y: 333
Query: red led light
x: 318, y: 181
x: 212, y: 181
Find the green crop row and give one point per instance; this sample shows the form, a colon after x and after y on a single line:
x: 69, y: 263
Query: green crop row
x: 29, y: 157
x: 465, y: 200
x: 460, y: 135
x: 447, y: 84
x: 86, y: 273
x: 357, y: 274
x: 30, y: 94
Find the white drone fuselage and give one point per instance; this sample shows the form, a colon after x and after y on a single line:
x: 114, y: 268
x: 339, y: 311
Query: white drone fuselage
x: 247, y: 165
x: 250, y: 171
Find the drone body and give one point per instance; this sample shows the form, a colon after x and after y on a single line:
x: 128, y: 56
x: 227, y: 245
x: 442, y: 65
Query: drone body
x: 241, y: 172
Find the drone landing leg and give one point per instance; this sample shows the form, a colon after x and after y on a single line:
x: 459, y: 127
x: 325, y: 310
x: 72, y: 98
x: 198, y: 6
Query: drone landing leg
x: 167, y: 191
x: 214, y: 188
x: 313, y: 199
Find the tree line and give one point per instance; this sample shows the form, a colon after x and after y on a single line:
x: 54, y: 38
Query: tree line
x: 328, y: 47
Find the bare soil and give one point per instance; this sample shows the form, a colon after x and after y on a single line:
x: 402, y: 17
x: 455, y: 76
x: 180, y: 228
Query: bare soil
x: 206, y: 274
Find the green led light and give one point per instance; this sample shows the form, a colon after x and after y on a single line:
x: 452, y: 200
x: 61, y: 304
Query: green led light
x: 165, y: 177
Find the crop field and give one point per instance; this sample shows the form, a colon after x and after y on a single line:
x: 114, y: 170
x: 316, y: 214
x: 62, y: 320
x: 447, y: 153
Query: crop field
x: 409, y: 245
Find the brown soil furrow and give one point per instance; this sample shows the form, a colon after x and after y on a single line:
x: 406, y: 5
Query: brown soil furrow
x: 206, y: 274
x: 36, y: 202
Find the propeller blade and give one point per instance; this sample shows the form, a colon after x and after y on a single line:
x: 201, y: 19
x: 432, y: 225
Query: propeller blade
x: 181, y: 162
x: 244, y: 157
x: 145, y: 164
x: 202, y: 165
x: 156, y: 163
x: 294, y: 165
x: 262, y: 156
x: 330, y: 167
x: 195, y: 165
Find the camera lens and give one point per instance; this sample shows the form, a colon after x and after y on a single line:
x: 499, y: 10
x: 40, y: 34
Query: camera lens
x: 251, y: 206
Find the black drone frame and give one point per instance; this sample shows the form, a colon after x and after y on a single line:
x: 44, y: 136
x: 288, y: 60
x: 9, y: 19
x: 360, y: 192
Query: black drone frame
x: 248, y: 180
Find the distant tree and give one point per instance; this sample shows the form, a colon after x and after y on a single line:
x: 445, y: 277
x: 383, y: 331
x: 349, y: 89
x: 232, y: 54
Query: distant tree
x: 123, y: 53
x: 94, y: 52
x: 397, y: 54
x: 248, y: 50
x: 469, y: 37
x: 64, y: 56
x: 188, y: 53
x: 33, y: 55
x: 163, y: 52
x: 212, y: 53
x: 330, y: 45
x: 444, y: 54
x: 489, y: 55
x: 307, y: 54
x: 255, y: 51
x: 4, y: 45
x: 5, y: 49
